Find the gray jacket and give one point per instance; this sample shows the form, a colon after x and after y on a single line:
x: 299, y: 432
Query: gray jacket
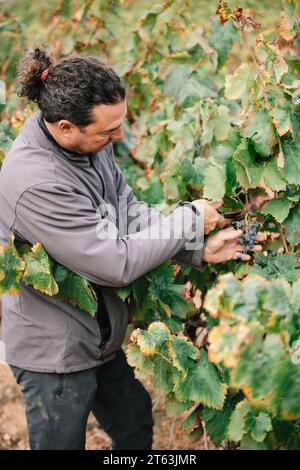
x: 51, y: 196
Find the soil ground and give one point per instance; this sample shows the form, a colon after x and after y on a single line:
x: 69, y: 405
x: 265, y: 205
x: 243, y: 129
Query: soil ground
x: 13, y: 435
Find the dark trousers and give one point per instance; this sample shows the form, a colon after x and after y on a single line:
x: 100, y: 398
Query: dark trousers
x: 57, y: 406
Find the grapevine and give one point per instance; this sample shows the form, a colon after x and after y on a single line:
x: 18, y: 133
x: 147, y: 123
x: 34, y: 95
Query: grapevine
x: 214, y: 113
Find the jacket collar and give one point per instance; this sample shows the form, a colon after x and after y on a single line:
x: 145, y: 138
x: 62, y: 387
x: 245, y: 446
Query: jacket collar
x: 78, y: 159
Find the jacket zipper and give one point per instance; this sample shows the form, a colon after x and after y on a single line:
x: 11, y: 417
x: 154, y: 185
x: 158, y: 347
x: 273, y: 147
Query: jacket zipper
x: 104, y: 311
x: 104, y: 322
x: 99, y: 174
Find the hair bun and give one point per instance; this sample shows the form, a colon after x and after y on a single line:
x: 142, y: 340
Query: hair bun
x: 31, y: 70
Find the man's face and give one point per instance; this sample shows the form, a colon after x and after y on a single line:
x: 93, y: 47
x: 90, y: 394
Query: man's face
x: 106, y: 127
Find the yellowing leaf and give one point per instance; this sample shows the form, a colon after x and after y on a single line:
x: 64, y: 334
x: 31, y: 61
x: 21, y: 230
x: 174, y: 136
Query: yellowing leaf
x: 39, y: 271
x: 153, y: 339
x: 282, y: 119
x: 11, y: 268
x: 237, y: 85
x: 259, y: 127
x: 288, y: 21
x: 182, y: 354
x: 212, y: 301
x: 225, y: 343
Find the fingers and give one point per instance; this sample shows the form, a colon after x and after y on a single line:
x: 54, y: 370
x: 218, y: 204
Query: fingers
x: 222, y: 222
x: 255, y: 248
x: 260, y: 237
x: 229, y: 233
x: 238, y: 256
x: 263, y: 236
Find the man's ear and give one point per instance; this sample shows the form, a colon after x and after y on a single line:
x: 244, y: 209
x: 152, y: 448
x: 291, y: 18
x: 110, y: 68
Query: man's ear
x: 65, y: 127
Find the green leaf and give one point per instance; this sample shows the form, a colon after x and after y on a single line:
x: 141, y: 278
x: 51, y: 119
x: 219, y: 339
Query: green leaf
x: 248, y: 443
x: 263, y: 363
x: 215, y: 122
x: 262, y: 425
x: 65, y: 8
x: 274, y: 177
x: 216, y: 423
x: 187, y: 170
x: 238, y: 84
x: 181, y: 84
x: 140, y: 290
x: 174, y: 407
x: 2, y: 92
x: 288, y: 21
x: 259, y: 128
x: 277, y: 208
x: 160, y: 278
x: 137, y: 359
x: 11, y: 268
x: 179, y: 306
x: 76, y: 290
x: 202, y: 385
x: 38, y: 271
x: 221, y: 38
x: 60, y: 273
x: 283, y: 119
x: 292, y: 162
x: 163, y: 375
x: 296, y: 295
x: 192, y: 421
x: 237, y: 424
x: 277, y: 298
x: 282, y: 265
x: 124, y: 292
x: 171, y: 189
x: 214, y: 183
x: 182, y: 354
x: 292, y: 225
x: 287, y: 389
x: 249, y: 172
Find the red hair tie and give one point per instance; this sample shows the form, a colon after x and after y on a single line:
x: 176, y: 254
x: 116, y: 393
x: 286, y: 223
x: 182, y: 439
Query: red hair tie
x: 44, y: 74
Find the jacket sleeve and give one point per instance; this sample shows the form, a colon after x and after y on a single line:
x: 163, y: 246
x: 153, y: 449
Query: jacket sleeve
x: 140, y: 216
x: 75, y: 235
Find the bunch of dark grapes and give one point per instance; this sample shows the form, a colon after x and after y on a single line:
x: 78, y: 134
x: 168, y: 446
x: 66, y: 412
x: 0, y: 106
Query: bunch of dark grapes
x: 250, y: 232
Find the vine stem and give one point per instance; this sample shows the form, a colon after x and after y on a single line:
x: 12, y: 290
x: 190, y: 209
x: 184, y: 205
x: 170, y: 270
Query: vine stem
x: 282, y: 234
x: 204, y: 435
x: 156, y: 402
x: 172, y: 432
x: 165, y: 358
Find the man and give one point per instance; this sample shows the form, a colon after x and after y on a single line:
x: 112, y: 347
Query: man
x: 59, y: 171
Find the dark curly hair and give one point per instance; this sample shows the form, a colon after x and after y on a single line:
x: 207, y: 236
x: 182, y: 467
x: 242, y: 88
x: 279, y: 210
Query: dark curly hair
x: 72, y: 87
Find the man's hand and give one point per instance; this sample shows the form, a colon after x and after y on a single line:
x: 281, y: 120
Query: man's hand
x: 212, y: 218
x: 223, y: 246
